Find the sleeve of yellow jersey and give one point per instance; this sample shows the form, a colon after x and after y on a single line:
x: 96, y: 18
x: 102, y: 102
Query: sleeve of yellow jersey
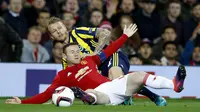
x: 86, y: 32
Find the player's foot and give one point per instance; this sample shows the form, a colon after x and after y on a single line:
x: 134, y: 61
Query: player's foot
x: 82, y: 95
x: 128, y: 101
x: 179, y: 79
x: 160, y: 101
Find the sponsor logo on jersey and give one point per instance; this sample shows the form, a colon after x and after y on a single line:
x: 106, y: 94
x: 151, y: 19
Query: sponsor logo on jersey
x: 81, y: 71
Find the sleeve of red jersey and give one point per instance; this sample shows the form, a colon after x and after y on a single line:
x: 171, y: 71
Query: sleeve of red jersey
x: 112, y: 48
x: 46, y: 95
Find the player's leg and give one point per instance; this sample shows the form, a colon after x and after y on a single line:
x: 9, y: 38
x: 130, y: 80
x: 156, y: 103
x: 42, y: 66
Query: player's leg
x: 161, y: 82
x: 110, y: 91
x: 130, y: 84
x: 91, y: 96
x: 101, y: 98
x: 115, y: 72
x: 158, y: 100
x: 118, y: 66
x: 115, y: 67
x: 138, y: 79
x: 112, y: 68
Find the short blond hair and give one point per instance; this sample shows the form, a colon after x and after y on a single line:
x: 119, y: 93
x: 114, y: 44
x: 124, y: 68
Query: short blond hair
x: 53, y: 20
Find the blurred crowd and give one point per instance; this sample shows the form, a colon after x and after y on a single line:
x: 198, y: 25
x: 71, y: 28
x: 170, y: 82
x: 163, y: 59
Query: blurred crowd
x: 168, y: 30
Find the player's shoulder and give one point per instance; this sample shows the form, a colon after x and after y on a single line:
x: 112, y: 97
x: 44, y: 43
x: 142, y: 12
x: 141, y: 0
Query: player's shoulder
x: 83, y: 27
x: 60, y: 73
x: 87, y: 58
x: 89, y: 29
x: 64, y: 73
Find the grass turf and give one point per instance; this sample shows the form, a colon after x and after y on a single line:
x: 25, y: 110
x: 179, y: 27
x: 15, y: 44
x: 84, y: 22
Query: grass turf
x: 140, y: 105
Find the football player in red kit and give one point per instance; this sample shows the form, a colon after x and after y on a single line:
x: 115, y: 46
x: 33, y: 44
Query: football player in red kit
x: 82, y: 73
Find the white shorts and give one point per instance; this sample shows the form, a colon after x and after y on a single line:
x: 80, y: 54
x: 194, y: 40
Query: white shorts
x: 115, y: 90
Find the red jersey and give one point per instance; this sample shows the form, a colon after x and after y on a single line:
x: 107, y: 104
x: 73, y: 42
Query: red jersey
x: 84, y: 75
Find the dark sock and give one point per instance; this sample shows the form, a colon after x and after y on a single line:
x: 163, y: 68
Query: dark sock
x: 88, y: 99
x: 82, y: 95
x: 146, y: 92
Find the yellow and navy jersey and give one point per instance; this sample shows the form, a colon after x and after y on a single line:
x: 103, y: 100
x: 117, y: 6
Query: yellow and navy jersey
x: 85, y: 37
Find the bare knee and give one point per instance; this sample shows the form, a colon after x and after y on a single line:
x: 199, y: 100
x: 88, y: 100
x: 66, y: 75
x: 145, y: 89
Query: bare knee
x: 115, y: 72
x: 134, y: 82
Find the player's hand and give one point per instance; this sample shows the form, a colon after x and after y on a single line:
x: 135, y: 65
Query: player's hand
x: 104, y: 33
x: 130, y: 30
x: 14, y: 100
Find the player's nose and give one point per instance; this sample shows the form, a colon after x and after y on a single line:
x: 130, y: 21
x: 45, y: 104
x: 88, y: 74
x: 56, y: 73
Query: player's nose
x: 58, y: 31
x: 76, y: 55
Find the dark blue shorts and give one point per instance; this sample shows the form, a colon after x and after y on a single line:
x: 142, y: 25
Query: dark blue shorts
x: 117, y: 59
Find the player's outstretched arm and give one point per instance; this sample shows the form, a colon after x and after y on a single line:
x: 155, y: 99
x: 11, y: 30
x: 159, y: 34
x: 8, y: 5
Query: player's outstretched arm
x: 103, y: 36
x: 113, y: 47
x: 37, y: 99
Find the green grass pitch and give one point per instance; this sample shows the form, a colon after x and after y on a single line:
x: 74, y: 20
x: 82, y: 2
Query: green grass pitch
x: 140, y: 105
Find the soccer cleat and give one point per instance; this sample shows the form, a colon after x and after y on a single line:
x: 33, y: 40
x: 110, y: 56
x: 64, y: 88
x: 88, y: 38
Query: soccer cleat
x: 82, y: 95
x: 160, y: 101
x: 128, y: 101
x: 179, y: 79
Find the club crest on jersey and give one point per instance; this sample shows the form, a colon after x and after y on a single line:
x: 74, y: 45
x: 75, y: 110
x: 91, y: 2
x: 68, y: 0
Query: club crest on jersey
x: 81, y: 48
x: 83, y: 62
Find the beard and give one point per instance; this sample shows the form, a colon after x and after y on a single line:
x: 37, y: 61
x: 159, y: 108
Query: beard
x: 65, y: 38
